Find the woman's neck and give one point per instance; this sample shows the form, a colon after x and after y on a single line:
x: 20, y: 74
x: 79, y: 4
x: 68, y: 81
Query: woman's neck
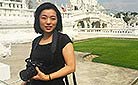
x: 47, y: 38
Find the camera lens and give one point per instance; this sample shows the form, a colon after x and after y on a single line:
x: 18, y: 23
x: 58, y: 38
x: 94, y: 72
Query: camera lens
x: 28, y: 73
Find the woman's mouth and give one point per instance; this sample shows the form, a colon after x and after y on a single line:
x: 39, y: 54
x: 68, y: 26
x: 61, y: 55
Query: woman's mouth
x: 48, y: 27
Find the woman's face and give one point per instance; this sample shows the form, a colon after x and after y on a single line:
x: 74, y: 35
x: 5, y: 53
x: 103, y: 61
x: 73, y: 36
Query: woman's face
x: 48, y: 20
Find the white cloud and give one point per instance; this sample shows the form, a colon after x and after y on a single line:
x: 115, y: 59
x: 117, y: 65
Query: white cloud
x: 120, y: 5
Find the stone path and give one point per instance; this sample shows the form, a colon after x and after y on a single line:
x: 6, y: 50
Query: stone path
x: 90, y: 73
x: 87, y: 73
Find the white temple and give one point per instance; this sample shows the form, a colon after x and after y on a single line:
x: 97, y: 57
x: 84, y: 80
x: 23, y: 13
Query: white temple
x: 80, y: 17
x: 15, y: 13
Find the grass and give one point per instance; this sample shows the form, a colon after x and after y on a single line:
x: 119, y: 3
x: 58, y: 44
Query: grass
x: 113, y: 51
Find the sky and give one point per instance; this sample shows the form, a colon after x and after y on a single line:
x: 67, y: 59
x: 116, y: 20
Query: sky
x: 120, y: 5
x: 54, y: 1
x: 113, y: 5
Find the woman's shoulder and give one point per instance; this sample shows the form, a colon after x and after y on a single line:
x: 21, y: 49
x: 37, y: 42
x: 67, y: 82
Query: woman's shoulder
x: 36, y: 39
x: 63, y: 36
x: 64, y: 39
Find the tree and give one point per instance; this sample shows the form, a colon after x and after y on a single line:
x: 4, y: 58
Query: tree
x: 126, y: 18
x: 134, y: 13
x: 118, y: 15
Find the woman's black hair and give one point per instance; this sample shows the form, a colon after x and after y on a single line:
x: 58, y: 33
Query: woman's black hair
x: 46, y: 5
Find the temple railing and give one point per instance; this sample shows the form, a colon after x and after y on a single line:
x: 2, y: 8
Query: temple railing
x: 129, y: 31
x: 108, y: 32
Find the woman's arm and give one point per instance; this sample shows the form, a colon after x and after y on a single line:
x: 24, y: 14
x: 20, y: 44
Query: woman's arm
x: 69, y: 56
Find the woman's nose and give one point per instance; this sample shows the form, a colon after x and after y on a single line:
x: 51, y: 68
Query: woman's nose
x: 48, y: 21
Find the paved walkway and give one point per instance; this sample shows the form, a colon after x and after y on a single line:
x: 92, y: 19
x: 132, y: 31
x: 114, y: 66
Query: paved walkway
x: 87, y: 73
x: 90, y: 73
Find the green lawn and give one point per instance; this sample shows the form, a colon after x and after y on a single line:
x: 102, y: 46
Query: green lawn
x: 113, y: 51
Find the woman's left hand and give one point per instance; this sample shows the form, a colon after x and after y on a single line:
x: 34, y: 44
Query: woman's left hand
x: 40, y: 75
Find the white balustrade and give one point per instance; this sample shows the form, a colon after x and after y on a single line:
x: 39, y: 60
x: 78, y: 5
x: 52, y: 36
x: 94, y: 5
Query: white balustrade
x: 4, y: 72
x: 109, y: 32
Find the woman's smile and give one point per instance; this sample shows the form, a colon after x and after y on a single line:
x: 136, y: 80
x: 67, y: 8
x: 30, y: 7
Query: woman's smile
x: 48, y: 27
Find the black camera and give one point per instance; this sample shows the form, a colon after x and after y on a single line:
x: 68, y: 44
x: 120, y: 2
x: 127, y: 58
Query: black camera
x: 30, y: 70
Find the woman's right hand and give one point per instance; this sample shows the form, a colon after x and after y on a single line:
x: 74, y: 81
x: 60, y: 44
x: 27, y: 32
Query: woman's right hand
x: 23, y: 83
x: 40, y: 75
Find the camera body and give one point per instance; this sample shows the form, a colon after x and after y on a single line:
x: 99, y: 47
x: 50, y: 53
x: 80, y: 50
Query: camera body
x: 30, y: 70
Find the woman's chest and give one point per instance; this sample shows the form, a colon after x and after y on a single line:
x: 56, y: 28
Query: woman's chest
x: 42, y: 53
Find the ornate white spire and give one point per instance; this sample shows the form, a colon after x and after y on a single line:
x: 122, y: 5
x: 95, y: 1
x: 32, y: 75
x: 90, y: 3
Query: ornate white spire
x: 38, y: 0
x: 23, y: 1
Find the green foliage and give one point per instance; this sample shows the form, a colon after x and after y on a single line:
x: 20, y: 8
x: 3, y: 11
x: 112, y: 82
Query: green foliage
x: 118, y: 52
x: 127, y: 16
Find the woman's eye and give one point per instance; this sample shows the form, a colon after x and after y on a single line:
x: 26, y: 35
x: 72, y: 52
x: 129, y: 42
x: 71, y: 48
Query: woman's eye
x: 53, y: 18
x: 43, y: 17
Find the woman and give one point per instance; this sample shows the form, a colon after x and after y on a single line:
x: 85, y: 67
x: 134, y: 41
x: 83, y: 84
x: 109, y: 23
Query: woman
x: 54, y: 49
